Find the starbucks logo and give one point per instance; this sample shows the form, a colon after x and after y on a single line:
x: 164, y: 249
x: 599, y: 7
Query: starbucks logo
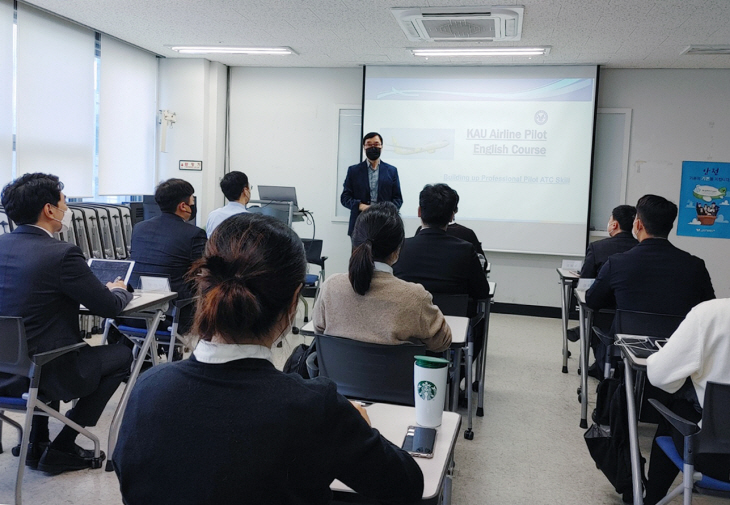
x: 427, y: 390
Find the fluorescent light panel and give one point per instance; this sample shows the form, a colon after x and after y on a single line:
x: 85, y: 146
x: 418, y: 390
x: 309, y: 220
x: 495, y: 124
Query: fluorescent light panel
x: 283, y: 51
x: 483, y: 51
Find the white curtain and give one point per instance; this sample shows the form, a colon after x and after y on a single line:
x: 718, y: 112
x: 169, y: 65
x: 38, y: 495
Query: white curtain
x: 55, y: 100
x: 127, y: 119
x: 6, y: 91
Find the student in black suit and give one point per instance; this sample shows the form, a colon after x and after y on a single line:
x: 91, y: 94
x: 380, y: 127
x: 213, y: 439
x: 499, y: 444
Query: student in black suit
x: 440, y: 262
x: 43, y: 280
x: 270, y: 437
x: 654, y: 276
x: 167, y: 244
x: 620, y: 240
x: 370, y: 181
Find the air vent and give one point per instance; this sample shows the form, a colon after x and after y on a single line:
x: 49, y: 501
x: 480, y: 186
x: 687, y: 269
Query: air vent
x: 436, y: 24
x: 707, y: 50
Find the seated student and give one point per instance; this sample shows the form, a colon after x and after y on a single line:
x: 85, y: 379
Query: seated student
x: 43, y: 280
x: 167, y: 244
x: 459, y: 231
x: 371, y: 304
x: 242, y: 431
x: 435, y: 259
x: 236, y: 189
x: 698, y: 350
x: 654, y: 276
x: 620, y: 240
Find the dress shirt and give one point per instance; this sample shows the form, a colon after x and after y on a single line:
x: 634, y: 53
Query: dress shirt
x: 41, y: 228
x: 219, y: 215
x: 383, y: 267
x: 216, y: 354
x: 373, y: 178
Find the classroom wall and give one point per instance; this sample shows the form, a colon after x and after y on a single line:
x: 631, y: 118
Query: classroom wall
x: 195, y: 90
x: 283, y: 131
x: 283, y: 127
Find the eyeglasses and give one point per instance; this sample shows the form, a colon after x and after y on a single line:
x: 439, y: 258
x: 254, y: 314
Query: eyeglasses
x: 376, y: 144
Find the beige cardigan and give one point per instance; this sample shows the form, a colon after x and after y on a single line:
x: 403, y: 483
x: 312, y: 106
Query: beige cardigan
x: 391, y: 312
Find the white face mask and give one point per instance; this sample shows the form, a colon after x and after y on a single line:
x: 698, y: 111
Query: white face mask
x: 66, y: 220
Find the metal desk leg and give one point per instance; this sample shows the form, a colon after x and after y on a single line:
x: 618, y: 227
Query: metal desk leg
x: 565, y: 301
x: 633, y: 434
x: 585, y: 332
x: 469, y: 434
x: 482, y: 373
x: 152, y: 323
x: 457, y: 379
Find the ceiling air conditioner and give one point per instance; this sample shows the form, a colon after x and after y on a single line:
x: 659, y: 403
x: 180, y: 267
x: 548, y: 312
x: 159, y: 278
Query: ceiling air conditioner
x: 434, y: 24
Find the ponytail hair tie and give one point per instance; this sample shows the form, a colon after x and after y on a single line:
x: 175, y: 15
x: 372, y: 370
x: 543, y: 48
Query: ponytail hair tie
x: 216, y: 265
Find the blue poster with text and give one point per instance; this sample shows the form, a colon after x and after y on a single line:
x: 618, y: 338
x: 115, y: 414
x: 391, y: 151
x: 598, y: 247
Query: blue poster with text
x: 704, y: 209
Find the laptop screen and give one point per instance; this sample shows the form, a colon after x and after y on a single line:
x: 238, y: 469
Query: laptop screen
x: 279, y: 194
x: 111, y: 270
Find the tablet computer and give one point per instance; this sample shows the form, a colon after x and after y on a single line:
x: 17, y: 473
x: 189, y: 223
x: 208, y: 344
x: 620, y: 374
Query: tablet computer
x: 111, y: 270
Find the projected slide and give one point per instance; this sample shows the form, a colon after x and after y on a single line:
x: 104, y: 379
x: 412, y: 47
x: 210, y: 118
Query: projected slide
x: 515, y: 142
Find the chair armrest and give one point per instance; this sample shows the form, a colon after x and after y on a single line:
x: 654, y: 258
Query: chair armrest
x: 686, y: 428
x: 44, y: 357
x: 606, y: 338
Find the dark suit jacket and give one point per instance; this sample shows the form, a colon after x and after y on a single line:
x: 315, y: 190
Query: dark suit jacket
x: 599, y: 251
x: 464, y: 233
x: 43, y: 280
x: 167, y: 245
x: 442, y: 264
x: 654, y: 277
x: 356, y: 188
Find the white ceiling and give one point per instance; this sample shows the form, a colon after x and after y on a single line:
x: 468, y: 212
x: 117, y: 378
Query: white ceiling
x: 346, y: 33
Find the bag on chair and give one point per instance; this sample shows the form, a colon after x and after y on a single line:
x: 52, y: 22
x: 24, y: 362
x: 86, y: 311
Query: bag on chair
x: 297, y: 362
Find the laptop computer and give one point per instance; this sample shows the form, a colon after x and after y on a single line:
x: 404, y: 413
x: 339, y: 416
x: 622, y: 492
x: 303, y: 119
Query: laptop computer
x: 279, y: 194
x: 111, y: 270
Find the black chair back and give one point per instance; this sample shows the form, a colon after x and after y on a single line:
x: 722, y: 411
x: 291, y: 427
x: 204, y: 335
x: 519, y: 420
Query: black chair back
x: 450, y: 304
x: 366, y: 371
x: 714, y: 437
x: 313, y: 250
x: 14, y: 348
x: 646, y: 323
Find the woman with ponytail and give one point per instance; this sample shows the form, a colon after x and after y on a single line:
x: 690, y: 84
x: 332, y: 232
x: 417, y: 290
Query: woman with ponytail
x: 369, y: 303
x: 225, y: 426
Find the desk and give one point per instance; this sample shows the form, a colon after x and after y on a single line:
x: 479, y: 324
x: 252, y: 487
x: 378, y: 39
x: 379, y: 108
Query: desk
x: 586, y: 323
x: 568, y: 280
x: 631, y: 362
x: 150, y: 307
x: 392, y: 421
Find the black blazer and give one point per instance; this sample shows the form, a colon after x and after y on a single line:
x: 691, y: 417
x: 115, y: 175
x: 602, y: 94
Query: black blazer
x: 43, y: 280
x: 442, y: 264
x: 599, y: 251
x: 356, y: 188
x: 167, y: 245
x: 464, y: 233
x: 654, y: 277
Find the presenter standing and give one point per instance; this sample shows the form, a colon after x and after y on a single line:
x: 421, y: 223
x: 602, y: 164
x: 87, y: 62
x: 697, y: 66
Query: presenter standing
x: 370, y: 181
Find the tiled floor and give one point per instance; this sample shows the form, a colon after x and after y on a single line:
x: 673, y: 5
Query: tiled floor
x: 527, y: 449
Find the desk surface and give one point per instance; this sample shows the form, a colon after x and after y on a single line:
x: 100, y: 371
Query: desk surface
x: 393, y: 421
x: 459, y: 328
x: 581, y: 295
x: 142, y: 301
x: 636, y: 362
x: 567, y: 273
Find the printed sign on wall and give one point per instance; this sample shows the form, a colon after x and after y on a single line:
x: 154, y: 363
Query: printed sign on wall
x: 704, y: 208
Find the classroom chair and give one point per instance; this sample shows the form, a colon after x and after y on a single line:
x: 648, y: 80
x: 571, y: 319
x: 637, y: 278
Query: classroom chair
x: 312, y: 282
x: 713, y: 437
x: 367, y: 371
x: 14, y: 360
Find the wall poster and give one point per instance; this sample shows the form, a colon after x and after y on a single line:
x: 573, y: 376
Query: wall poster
x: 704, y: 209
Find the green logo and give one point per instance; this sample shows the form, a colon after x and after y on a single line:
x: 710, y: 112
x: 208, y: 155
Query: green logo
x: 427, y: 390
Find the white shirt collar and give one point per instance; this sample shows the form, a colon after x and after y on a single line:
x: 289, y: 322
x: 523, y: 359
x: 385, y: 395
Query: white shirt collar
x: 383, y: 267
x: 41, y: 228
x: 216, y: 354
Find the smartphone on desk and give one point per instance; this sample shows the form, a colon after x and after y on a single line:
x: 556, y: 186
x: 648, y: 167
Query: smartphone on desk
x: 419, y: 441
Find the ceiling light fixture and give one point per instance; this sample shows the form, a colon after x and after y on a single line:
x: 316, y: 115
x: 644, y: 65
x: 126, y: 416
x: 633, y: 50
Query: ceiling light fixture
x: 282, y: 51
x: 707, y: 50
x: 484, y: 51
